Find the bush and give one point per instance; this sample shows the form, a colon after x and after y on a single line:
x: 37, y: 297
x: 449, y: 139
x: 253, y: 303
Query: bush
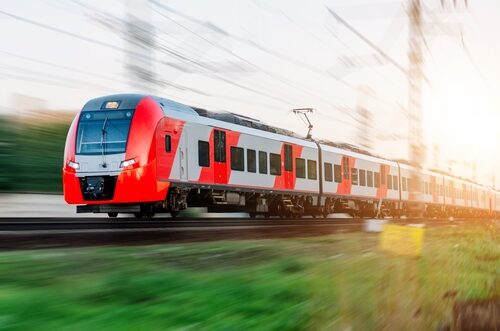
x: 31, y: 156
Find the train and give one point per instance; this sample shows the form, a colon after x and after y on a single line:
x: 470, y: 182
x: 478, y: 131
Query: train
x: 144, y: 155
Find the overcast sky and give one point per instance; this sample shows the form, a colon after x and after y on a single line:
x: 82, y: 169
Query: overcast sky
x: 269, y: 57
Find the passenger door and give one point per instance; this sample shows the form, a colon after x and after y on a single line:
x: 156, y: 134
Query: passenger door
x: 183, y: 156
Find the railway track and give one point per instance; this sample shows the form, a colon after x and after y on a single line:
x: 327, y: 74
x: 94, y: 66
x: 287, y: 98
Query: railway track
x: 48, y: 224
x: 37, y: 233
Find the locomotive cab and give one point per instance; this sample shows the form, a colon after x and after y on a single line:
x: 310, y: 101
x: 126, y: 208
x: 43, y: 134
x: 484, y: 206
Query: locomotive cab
x: 109, y: 162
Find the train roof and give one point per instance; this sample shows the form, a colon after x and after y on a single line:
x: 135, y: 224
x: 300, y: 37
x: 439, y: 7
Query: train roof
x: 242, y: 120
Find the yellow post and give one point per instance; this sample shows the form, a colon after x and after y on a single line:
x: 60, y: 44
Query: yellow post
x: 402, y: 240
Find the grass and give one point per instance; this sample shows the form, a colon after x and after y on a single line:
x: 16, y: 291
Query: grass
x: 336, y: 282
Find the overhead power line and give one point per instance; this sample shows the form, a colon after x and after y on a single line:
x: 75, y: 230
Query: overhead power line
x: 342, y: 109
x: 121, y: 49
x: 299, y: 87
x: 368, y: 41
x: 64, y: 32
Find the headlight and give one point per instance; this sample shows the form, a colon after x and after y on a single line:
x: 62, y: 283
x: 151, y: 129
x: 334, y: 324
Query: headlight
x: 73, y: 165
x: 127, y: 163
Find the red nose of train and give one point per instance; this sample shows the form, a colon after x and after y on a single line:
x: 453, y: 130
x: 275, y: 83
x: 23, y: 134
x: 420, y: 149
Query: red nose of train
x: 110, y: 152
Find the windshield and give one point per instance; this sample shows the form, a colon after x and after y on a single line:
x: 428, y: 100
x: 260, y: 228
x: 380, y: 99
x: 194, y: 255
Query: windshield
x: 103, y: 132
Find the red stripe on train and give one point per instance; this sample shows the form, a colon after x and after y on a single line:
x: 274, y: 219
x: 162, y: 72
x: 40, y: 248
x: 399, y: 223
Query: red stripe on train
x: 287, y: 179
x: 345, y: 187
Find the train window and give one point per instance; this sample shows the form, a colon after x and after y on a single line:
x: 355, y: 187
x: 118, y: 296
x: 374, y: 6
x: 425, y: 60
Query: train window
x: 275, y: 164
x: 311, y: 169
x: 262, y: 162
x: 345, y: 165
x: 403, y: 184
x: 237, y: 158
x: 389, y: 182
x: 288, y: 158
x: 219, y: 146
x: 168, y: 143
x: 395, y: 182
x: 362, y: 177
x: 337, y: 174
x: 251, y: 160
x: 300, y: 168
x: 354, y: 176
x: 376, y: 179
x: 328, y: 172
x: 369, y: 178
x: 203, y: 153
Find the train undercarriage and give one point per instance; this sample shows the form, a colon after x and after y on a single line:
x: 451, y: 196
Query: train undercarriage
x: 281, y: 205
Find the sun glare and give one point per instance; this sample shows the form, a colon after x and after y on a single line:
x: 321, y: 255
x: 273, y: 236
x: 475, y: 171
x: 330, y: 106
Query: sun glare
x: 463, y: 123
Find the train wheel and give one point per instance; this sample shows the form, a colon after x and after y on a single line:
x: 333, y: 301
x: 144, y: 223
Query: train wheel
x: 280, y: 210
x: 174, y: 214
x: 252, y: 214
x: 113, y: 215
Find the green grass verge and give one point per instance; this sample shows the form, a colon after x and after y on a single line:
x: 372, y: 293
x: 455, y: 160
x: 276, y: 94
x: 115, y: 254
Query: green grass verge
x: 335, y: 282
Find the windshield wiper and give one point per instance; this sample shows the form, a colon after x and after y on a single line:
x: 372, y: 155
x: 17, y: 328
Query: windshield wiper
x: 103, y: 142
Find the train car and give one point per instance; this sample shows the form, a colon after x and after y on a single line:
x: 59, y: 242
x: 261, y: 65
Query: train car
x: 427, y: 192
x: 143, y: 155
x: 360, y: 184
x: 140, y: 154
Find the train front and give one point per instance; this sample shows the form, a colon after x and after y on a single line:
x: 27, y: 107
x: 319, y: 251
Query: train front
x: 109, y: 158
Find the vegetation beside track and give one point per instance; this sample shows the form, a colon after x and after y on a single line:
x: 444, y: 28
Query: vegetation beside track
x: 325, y: 283
x: 31, y: 155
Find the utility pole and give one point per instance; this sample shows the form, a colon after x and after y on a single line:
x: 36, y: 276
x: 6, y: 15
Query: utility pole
x: 415, y: 79
x: 364, y: 118
x: 494, y: 179
x: 436, y: 156
x: 140, y: 47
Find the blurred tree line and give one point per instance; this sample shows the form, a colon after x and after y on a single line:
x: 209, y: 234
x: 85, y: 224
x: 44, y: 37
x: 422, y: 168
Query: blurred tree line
x: 31, y: 155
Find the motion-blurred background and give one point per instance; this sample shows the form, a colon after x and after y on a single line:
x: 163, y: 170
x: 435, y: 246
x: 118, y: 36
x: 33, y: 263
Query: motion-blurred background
x: 347, y: 59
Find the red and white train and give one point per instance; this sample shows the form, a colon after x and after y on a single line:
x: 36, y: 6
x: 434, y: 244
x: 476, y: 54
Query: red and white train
x: 143, y: 155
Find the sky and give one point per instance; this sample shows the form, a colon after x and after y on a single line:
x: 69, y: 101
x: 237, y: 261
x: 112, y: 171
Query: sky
x: 263, y: 58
